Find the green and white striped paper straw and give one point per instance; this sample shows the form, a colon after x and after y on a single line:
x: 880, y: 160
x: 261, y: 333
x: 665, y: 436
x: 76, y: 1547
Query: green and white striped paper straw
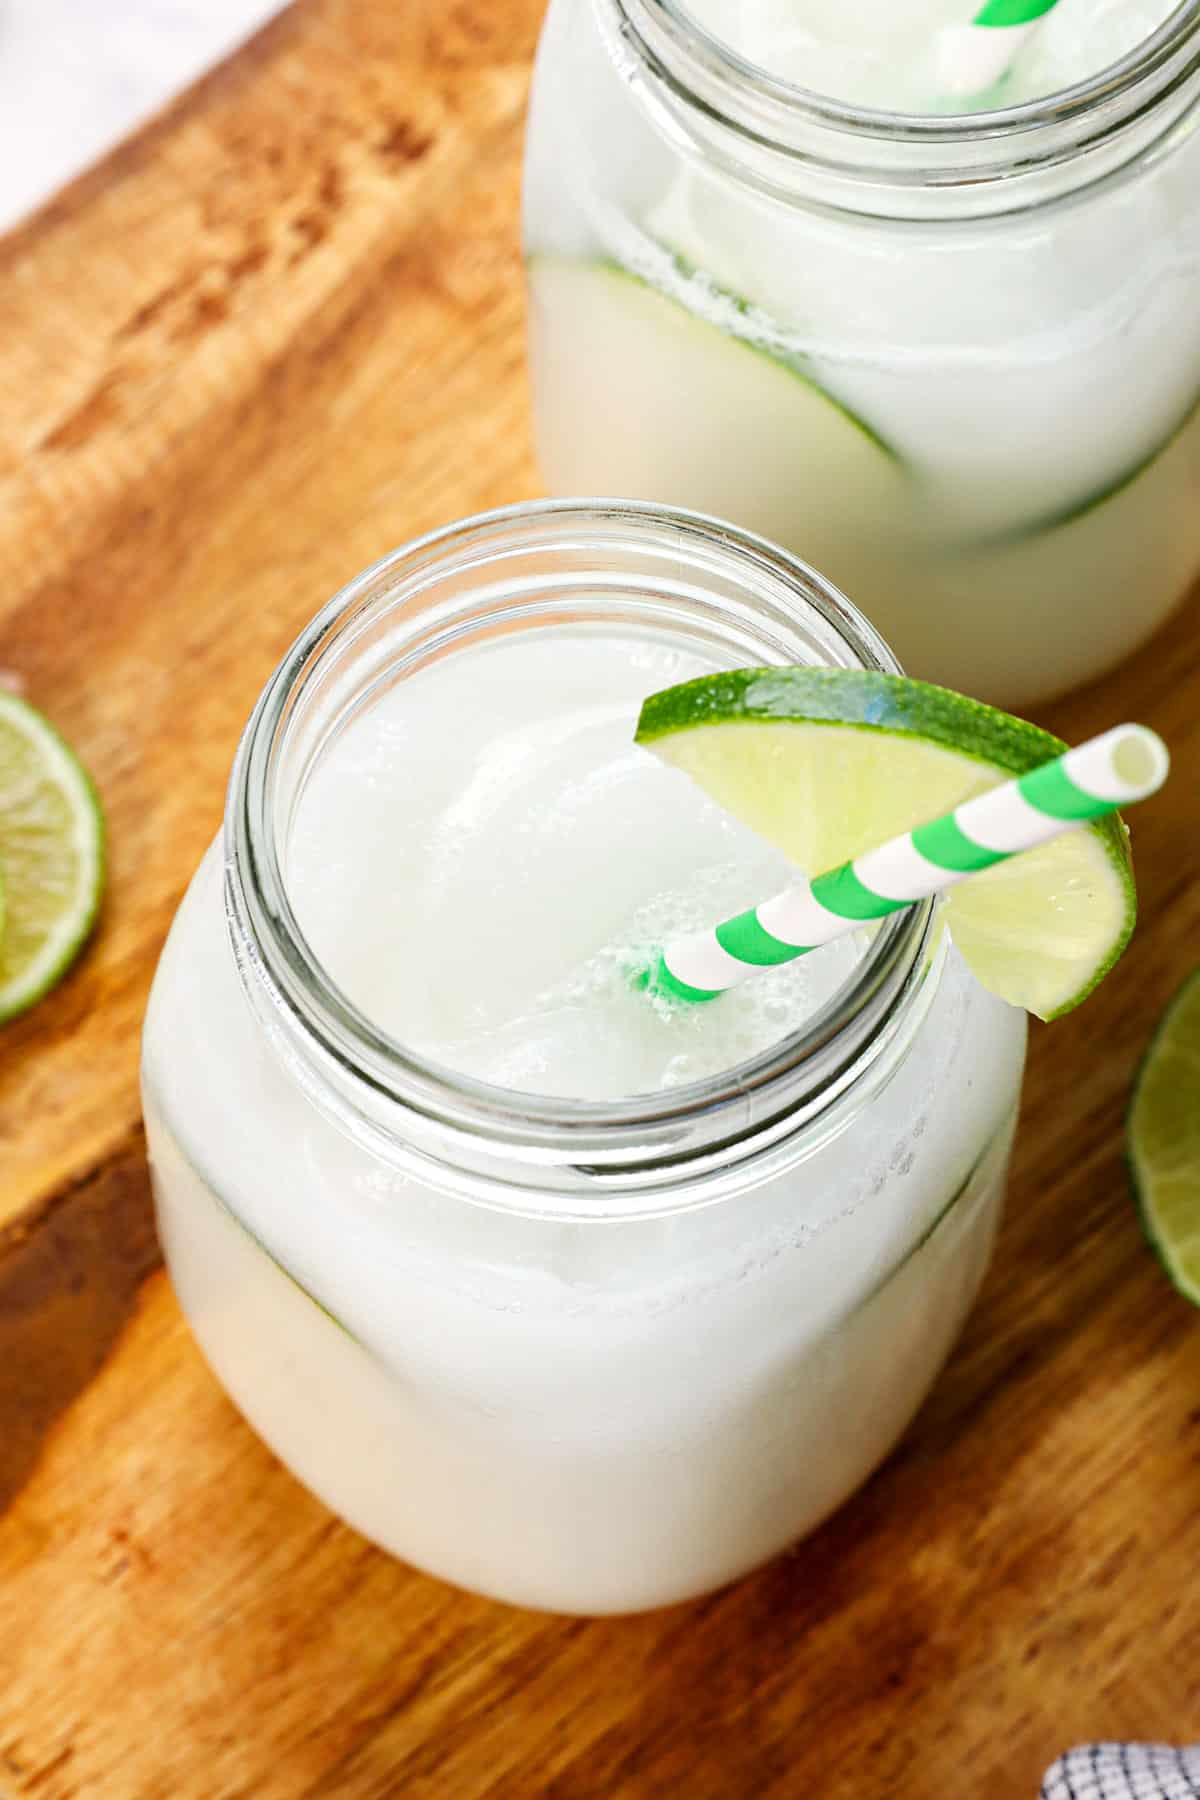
x: 1124, y: 764
x: 973, y: 57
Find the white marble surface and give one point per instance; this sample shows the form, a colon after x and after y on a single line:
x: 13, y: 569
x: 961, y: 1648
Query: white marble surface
x: 77, y: 75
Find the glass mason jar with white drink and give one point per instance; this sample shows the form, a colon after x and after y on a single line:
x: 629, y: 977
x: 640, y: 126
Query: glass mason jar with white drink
x: 951, y: 358
x: 577, y: 1301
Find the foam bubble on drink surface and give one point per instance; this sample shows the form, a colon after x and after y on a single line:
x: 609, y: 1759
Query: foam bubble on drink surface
x: 482, y: 860
x: 885, y: 55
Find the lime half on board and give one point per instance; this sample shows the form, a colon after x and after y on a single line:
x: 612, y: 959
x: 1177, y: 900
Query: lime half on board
x: 51, y: 853
x: 1163, y: 1140
x: 829, y: 763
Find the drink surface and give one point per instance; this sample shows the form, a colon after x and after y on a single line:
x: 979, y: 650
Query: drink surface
x: 484, y: 858
x: 885, y: 56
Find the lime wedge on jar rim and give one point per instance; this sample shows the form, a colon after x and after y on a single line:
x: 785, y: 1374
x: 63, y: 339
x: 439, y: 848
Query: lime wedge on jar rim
x: 829, y: 763
x: 1163, y: 1140
x: 52, y: 854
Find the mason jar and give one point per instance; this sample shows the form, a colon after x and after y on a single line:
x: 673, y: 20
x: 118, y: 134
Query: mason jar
x: 952, y: 361
x: 584, y: 1355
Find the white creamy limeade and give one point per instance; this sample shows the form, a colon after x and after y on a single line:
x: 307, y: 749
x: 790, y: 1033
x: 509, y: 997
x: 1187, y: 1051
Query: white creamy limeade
x: 580, y: 1412
x: 960, y: 375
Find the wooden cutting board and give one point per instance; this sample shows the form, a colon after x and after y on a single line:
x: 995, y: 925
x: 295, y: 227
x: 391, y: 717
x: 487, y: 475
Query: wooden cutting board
x: 272, y: 337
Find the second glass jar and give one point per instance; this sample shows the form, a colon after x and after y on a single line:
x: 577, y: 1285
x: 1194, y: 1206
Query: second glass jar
x: 954, y: 362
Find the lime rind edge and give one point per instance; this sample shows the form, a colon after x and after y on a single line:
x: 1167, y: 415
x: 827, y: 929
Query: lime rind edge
x: 1019, y: 745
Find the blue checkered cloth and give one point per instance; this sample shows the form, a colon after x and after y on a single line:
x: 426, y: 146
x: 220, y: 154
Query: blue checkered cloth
x: 1125, y: 1772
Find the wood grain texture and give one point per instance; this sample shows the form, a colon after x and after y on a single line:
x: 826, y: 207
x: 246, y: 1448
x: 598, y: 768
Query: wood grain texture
x: 274, y: 336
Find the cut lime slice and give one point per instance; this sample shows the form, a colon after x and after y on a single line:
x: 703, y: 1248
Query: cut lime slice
x: 52, y: 850
x: 1163, y: 1140
x: 828, y: 763
x: 629, y: 382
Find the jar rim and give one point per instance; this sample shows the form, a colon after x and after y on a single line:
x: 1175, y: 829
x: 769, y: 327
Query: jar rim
x: 635, y: 1140
x: 1017, y: 145
x: 1114, y: 79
